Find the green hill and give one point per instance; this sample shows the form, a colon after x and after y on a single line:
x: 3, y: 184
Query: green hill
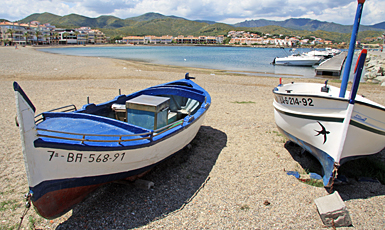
x: 151, y: 16
x: 75, y: 20
x: 43, y: 18
x: 158, y: 24
x: 306, y: 24
x: 335, y: 37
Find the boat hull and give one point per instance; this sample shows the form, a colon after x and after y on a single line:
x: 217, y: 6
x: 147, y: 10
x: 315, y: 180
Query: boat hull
x: 54, y: 204
x: 297, y: 61
x: 62, y: 170
x: 315, y: 121
x: 59, y: 191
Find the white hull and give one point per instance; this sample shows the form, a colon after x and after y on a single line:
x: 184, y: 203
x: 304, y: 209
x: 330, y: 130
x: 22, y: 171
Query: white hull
x: 67, y: 163
x: 315, y: 120
x: 300, y: 60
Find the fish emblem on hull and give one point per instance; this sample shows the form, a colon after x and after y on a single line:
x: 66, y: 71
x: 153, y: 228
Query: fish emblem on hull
x: 323, y: 131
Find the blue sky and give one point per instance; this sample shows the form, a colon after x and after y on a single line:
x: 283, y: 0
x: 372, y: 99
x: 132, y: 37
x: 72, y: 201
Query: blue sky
x: 226, y: 11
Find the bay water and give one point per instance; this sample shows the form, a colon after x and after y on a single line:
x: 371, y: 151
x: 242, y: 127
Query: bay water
x: 245, y: 60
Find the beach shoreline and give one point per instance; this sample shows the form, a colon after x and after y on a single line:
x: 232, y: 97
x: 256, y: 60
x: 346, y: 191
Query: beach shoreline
x: 237, y: 162
x: 248, y: 71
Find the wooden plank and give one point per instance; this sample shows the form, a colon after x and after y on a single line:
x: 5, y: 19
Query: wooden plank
x: 332, y: 66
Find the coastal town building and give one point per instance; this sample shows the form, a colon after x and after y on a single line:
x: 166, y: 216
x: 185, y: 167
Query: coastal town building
x: 264, y: 41
x: 196, y: 40
x: 133, y: 40
x: 248, y: 38
x: 149, y: 39
x: 12, y: 33
x: 23, y: 33
x: 166, y: 39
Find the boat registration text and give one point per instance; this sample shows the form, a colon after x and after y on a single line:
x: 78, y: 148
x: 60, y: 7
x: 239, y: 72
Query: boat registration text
x: 90, y: 158
x: 294, y: 100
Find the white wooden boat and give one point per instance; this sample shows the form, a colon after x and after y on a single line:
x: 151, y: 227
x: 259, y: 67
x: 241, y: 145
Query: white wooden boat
x: 324, y: 121
x: 69, y: 154
x: 314, y: 117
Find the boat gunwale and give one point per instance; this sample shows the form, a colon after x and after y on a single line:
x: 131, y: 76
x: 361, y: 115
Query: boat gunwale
x: 148, y: 135
x: 380, y: 107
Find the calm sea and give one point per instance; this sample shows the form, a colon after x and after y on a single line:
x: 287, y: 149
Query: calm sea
x: 254, y: 61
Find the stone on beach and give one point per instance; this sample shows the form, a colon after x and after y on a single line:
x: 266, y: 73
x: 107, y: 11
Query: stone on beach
x: 333, y: 211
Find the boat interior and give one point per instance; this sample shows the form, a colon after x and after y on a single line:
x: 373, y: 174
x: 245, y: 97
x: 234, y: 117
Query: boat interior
x: 146, y: 113
x: 161, y: 101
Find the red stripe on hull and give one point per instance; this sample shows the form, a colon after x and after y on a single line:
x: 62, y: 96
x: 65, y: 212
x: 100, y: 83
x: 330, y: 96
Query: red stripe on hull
x: 56, y: 203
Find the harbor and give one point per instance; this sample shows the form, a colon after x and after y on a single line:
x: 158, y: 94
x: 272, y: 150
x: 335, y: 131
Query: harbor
x: 252, y: 61
x: 332, y: 66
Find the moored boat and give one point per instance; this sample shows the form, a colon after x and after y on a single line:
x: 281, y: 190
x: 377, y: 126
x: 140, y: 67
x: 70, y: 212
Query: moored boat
x: 318, y: 53
x: 323, y: 54
x: 297, y: 60
x: 69, y: 152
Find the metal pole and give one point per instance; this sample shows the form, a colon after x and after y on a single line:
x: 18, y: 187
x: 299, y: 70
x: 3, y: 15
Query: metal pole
x: 352, y: 44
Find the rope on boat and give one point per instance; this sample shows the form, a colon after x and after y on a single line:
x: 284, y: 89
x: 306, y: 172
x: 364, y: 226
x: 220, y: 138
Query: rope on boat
x: 334, y: 176
x: 27, y: 206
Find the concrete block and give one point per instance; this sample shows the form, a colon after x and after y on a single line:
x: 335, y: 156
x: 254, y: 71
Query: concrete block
x: 143, y: 184
x: 333, y: 211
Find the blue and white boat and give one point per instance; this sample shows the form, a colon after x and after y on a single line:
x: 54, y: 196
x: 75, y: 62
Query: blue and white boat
x: 326, y: 122
x: 69, y: 152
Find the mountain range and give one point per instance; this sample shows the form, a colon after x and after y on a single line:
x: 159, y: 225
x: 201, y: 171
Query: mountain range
x: 158, y: 24
x: 308, y: 24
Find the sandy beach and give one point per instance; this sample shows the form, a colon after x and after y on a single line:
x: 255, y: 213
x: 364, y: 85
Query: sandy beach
x: 233, y: 177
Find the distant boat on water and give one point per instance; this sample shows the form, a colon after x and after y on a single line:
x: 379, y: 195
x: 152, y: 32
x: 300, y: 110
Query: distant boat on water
x: 323, y: 54
x: 254, y: 61
x: 297, y: 59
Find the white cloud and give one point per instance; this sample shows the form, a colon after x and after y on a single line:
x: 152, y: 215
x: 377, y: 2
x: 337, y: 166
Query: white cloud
x: 228, y: 11
x: 374, y: 12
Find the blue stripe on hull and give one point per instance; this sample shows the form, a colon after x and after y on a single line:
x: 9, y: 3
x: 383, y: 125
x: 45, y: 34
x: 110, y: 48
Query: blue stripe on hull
x: 326, y: 161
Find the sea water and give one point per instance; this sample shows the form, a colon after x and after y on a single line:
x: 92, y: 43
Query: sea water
x: 246, y: 60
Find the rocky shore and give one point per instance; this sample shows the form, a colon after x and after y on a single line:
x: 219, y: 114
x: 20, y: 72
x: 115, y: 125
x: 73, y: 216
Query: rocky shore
x: 375, y: 68
x: 233, y: 177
